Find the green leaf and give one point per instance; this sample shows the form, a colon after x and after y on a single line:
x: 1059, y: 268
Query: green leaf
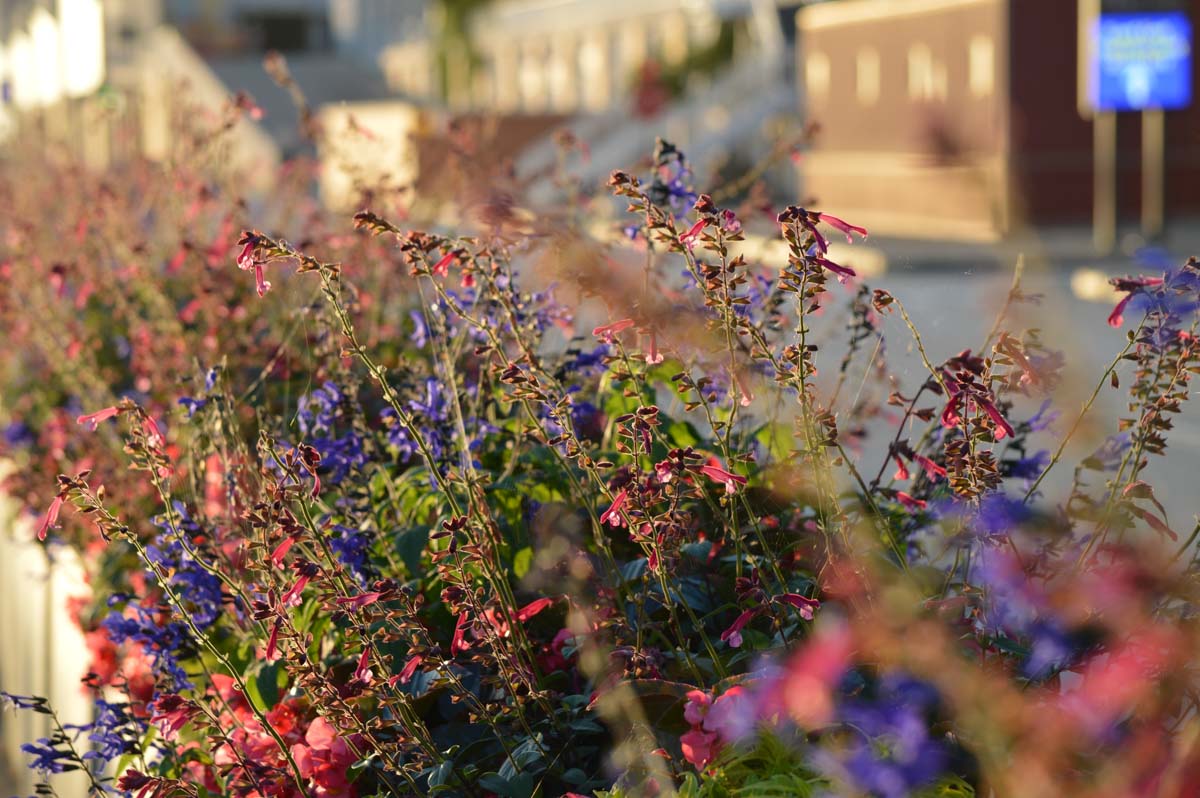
x: 522, y: 562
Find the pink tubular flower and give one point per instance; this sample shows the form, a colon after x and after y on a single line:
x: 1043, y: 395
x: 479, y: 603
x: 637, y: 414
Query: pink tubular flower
x: 363, y: 671
x: 247, y: 259
x: 843, y: 273
x: 653, y: 358
x: 281, y: 551
x: 1003, y: 428
x: 733, y: 635
x: 92, y: 420
x: 806, y: 605
x: 718, y: 474
x: 910, y: 502
x: 606, y: 332
x: 272, y: 652
x: 292, y: 597
x: 842, y: 225
x: 612, y: 515
x: 932, y: 469
x: 442, y: 267
x: 50, y: 520
x: 689, y: 238
x: 901, y: 469
x: 409, y: 669
x: 459, y: 643
x: 1131, y: 285
x: 358, y: 602
x: 950, y: 416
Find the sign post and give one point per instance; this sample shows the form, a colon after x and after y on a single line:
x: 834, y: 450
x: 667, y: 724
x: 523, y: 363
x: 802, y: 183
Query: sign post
x: 1135, y: 55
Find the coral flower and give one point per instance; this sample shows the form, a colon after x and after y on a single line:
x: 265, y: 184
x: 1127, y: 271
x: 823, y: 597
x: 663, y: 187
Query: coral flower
x: 92, y: 420
x: 606, y: 332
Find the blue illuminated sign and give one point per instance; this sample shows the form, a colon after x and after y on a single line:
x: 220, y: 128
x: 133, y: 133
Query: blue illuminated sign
x: 1141, y: 61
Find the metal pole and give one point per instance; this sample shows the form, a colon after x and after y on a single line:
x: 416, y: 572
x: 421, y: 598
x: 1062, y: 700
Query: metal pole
x: 1104, y: 189
x: 1154, y: 138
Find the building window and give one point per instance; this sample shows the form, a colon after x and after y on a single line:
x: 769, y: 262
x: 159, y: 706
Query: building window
x: 920, y: 73
x: 981, y: 66
x: 867, y: 76
x: 816, y: 75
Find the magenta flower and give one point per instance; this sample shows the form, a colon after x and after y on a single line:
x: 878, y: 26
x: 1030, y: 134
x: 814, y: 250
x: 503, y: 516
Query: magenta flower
x: 842, y: 225
x: 612, y: 515
x: 733, y: 635
x: 1003, y: 428
x: 248, y: 259
x: 806, y: 605
x: 1130, y: 285
x: 932, y: 469
x: 843, y: 273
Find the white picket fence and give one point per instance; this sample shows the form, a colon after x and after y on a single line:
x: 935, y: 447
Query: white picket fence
x: 42, y: 652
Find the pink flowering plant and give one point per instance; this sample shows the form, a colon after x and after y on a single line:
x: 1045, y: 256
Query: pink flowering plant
x: 367, y: 511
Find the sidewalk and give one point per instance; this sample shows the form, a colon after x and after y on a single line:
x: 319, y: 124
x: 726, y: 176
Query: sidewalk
x: 1064, y: 248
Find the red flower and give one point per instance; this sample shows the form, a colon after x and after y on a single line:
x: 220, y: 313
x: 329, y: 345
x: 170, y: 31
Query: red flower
x: 442, y: 267
x: 459, y: 642
x: 909, y: 501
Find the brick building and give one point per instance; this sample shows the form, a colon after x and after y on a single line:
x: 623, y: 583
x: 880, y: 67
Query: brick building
x: 959, y: 118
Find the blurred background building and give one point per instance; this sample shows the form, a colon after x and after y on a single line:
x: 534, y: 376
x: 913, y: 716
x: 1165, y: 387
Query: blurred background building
x: 959, y: 118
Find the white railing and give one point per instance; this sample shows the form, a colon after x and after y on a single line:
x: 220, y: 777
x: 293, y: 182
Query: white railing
x: 42, y: 651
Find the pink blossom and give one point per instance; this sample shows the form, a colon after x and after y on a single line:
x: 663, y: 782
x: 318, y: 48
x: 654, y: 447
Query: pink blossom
x: 442, y: 267
x: 612, y: 515
x: 359, y: 601
x: 910, y: 502
x: 607, y: 331
x: 842, y: 225
x: 718, y: 474
x: 699, y: 747
x: 653, y: 357
x: 803, y: 603
x: 932, y: 469
x: 689, y: 238
x: 363, y: 671
x: 1003, y: 428
x: 843, y: 272
x: 458, y: 642
x: 50, y: 520
x: 698, y: 704
x: 93, y: 420
x: 733, y: 635
x: 272, y: 652
x: 806, y: 690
